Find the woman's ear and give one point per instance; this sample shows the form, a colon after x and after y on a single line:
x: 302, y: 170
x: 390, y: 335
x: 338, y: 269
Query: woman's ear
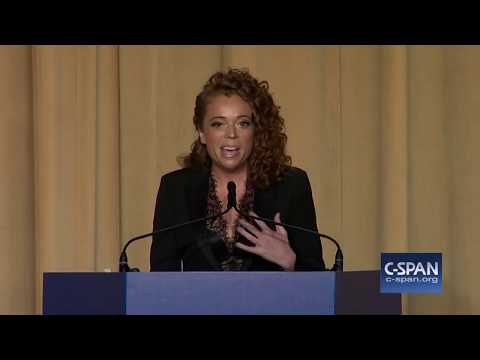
x: 201, y: 135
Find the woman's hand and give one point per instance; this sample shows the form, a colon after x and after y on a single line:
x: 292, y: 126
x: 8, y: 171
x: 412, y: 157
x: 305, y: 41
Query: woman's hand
x: 271, y: 245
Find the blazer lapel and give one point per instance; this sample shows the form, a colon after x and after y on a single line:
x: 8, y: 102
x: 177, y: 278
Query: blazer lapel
x: 197, y: 193
x: 197, y: 204
x: 265, y: 203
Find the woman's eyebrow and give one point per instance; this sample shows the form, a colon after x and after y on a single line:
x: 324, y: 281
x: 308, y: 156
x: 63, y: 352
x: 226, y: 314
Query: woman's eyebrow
x: 224, y: 117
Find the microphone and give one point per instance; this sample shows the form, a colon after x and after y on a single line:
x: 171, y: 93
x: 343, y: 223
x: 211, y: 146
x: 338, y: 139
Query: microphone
x: 232, y: 195
x: 232, y: 202
x: 123, y: 263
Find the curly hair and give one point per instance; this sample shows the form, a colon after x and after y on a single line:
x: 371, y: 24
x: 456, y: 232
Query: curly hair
x: 268, y: 161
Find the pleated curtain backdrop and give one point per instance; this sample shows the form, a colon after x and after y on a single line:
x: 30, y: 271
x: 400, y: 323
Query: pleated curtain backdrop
x: 387, y: 134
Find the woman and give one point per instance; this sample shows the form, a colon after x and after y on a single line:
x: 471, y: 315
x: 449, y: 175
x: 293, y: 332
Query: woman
x: 240, y: 139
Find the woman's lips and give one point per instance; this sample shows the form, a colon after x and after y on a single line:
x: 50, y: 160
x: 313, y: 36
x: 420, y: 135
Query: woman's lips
x: 229, y: 151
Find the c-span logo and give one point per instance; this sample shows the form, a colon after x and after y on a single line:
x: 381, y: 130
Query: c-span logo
x: 411, y: 273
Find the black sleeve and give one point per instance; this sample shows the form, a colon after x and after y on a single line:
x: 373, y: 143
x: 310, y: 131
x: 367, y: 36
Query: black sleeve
x: 307, y: 247
x: 164, y: 254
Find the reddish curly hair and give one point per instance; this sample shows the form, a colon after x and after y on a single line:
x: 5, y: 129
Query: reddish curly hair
x: 268, y: 161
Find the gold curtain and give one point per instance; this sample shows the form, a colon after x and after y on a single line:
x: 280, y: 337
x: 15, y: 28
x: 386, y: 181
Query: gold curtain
x: 387, y: 135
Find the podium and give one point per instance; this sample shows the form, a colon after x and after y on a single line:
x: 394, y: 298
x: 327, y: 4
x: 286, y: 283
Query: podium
x: 217, y: 293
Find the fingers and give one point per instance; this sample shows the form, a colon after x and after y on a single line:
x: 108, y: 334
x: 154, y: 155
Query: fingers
x: 250, y: 249
x: 251, y: 228
x: 269, y: 244
x: 280, y: 229
x: 279, y: 232
x: 260, y: 223
x: 277, y: 219
x: 253, y: 239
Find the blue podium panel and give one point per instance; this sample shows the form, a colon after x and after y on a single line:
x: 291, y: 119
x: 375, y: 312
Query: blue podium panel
x: 217, y: 293
x: 236, y: 293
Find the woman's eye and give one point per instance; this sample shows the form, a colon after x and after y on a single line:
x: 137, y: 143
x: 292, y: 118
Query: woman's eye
x: 245, y: 123
x: 216, y: 124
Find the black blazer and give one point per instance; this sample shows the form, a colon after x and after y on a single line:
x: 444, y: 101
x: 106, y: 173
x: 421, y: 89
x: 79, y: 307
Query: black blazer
x: 182, y: 196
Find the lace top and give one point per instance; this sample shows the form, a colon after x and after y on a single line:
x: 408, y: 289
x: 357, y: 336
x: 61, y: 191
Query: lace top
x: 219, y: 224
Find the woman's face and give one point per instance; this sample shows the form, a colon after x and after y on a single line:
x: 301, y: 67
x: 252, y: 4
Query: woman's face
x: 227, y: 131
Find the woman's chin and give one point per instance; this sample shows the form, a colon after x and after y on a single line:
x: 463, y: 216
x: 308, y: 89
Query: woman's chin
x: 230, y: 166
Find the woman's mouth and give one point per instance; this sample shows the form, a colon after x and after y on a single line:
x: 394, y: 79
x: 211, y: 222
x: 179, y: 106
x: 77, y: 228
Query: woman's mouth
x: 229, y: 151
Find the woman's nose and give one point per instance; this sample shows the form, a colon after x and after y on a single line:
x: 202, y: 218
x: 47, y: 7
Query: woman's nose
x: 231, y: 132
